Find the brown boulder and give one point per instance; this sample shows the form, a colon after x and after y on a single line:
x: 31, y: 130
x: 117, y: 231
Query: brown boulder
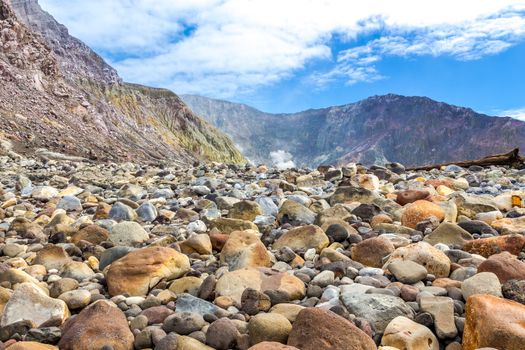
x: 486, y: 247
x: 245, y: 210
x: 505, y: 265
x: 97, y: 325
x: 421, y: 210
x: 92, y: 233
x: 372, y: 251
x: 316, y: 329
x: 493, y: 322
x: 140, y: 270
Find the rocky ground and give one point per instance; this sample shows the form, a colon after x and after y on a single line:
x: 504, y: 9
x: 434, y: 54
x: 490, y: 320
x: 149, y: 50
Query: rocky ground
x: 124, y: 256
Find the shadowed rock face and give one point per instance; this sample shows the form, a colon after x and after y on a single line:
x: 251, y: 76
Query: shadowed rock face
x: 56, y: 93
x: 411, y: 130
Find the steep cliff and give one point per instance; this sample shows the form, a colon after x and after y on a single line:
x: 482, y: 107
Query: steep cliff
x: 56, y: 93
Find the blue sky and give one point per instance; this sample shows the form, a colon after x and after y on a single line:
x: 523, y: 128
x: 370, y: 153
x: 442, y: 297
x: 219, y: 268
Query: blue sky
x: 291, y: 55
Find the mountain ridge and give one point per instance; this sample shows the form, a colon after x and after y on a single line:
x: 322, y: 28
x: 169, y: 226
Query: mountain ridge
x: 58, y: 94
x: 369, y: 131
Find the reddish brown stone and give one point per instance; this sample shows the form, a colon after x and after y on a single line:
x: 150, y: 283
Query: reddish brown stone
x: 97, y: 325
x: 218, y: 240
x: 410, y: 196
x: 156, y: 314
x: 505, y: 265
x: 316, y: 329
x: 372, y: 251
x: 486, y: 247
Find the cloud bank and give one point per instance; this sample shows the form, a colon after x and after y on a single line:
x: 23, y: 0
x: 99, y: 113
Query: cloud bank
x: 226, y: 47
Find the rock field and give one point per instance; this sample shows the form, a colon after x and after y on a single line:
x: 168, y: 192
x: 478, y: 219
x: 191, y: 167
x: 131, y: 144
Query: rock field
x: 214, y: 256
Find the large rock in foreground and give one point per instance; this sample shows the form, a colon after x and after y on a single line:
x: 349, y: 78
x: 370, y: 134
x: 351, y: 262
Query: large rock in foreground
x: 316, y: 329
x: 140, y: 270
x: 233, y: 284
x: 493, y: 322
x: 97, y: 326
x: 29, y: 302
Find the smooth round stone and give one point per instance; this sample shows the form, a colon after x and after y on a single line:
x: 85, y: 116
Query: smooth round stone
x: 481, y: 283
x: 197, y: 226
x: 70, y: 203
x: 324, y: 278
x: 407, y: 271
x: 76, y: 299
x: 147, y: 212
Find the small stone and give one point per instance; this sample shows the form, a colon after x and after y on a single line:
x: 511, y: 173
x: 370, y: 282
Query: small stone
x: 304, y: 237
x: 244, y: 249
x: 222, y: 334
x: 183, y: 323
x: 76, y: 299
x: 295, y: 214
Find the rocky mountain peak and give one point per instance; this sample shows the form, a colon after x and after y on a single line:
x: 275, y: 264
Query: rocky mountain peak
x: 76, y: 58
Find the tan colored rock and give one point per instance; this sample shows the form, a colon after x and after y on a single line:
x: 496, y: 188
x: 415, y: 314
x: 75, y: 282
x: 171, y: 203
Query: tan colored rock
x: 510, y: 225
x: 197, y: 243
x: 232, y: 284
x: 269, y: 327
x: 188, y: 284
x: 421, y: 210
x: 442, y: 311
x: 316, y: 329
x: 493, y: 322
x: 304, y: 237
x: 97, y: 325
x: 227, y: 225
x: 29, y: 302
x: 290, y: 311
x: 245, y: 210
x: 450, y: 234
x: 140, y: 270
x: 403, y: 333
x: 433, y: 259
x: 52, y: 257
x: 189, y: 343
x: 244, y: 249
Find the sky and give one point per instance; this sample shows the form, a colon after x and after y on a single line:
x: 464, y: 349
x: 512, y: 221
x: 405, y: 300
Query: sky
x: 292, y: 55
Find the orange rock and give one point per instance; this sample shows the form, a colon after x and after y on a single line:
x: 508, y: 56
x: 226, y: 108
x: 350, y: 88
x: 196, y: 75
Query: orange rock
x: 380, y: 219
x: 421, y: 210
x: 486, y: 247
x: 440, y: 182
x: 493, y: 322
x: 271, y: 345
x: 445, y: 282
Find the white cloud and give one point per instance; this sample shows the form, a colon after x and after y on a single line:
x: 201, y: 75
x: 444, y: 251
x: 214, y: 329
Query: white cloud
x: 518, y: 113
x: 236, y: 46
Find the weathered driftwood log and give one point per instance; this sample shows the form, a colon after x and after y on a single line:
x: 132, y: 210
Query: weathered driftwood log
x: 512, y: 158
